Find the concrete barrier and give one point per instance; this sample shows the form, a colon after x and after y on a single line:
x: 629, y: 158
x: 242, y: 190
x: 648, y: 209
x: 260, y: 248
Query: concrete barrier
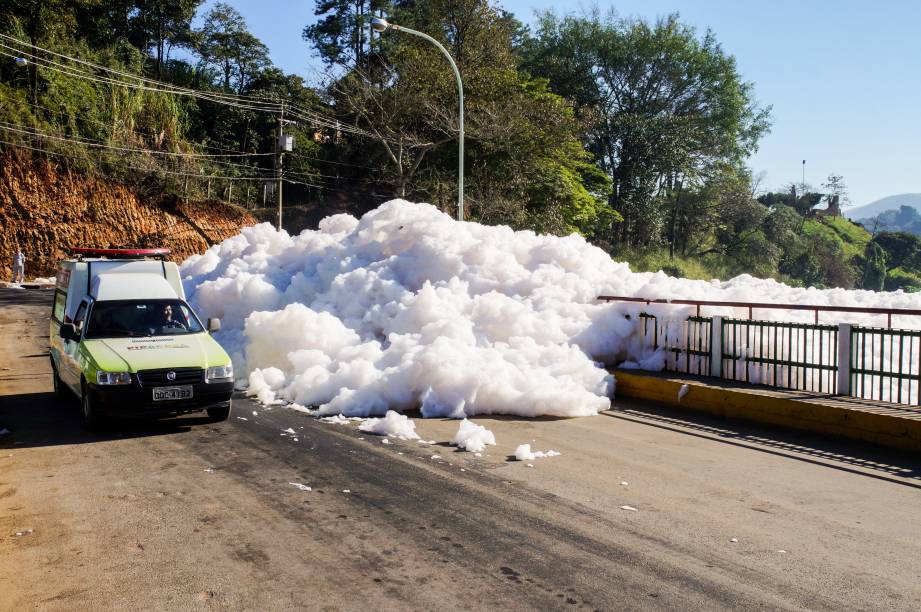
x: 877, y: 422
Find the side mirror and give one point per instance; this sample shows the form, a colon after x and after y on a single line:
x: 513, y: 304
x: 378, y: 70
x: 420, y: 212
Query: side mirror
x: 214, y: 325
x: 69, y: 332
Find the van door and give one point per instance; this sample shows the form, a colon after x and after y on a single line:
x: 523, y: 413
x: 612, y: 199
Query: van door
x: 70, y: 369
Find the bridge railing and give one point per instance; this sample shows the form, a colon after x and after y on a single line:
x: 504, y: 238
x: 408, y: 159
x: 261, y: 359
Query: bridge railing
x: 881, y: 364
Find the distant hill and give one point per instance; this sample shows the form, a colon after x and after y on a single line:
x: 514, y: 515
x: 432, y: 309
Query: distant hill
x: 878, y: 207
x: 905, y: 219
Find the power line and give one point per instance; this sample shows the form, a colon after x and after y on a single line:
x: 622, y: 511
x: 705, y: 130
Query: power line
x: 171, y: 172
x: 234, y: 100
x: 89, y: 143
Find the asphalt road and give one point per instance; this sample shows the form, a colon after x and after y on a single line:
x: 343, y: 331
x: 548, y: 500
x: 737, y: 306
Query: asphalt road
x: 182, y: 514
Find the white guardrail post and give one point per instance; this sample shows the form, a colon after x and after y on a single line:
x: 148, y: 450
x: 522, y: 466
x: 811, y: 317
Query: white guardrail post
x: 716, y: 347
x: 844, y: 359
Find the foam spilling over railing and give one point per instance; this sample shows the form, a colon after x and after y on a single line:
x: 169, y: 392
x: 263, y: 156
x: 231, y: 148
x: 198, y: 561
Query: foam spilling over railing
x: 407, y: 308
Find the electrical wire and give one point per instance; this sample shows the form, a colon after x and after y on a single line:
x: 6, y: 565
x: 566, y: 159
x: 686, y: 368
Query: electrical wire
x: 235, y: 100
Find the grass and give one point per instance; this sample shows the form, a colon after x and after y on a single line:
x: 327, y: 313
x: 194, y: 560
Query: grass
x: 852, y: 238
x: 654, y: 260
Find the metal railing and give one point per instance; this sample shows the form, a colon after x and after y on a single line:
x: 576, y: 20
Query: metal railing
x: 789, y: 355
x: 885, y: 365
x: 881, y: 364
x: 686, y: 345
x: 752, y: 306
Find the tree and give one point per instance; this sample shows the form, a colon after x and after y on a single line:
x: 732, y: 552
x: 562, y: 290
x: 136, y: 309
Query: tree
x: 836, y: 190
x: 528, y: 167
x: 874, y: 271
x: 39, y: 19
x: 665, y: 106
x: 163, y: 24
x: 903, y: 250
x: 344, y: 35
x: 227, y: 44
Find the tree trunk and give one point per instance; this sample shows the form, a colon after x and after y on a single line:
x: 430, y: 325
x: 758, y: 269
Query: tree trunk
x: 34, y: 17
x: 159, y: 41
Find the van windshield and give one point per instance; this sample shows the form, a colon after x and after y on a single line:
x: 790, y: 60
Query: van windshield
x: 130, y: 318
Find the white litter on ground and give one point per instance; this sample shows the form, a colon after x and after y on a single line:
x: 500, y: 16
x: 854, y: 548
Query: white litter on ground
x: 624, y: 483
x: 472, y: 437
x: 733, y: 540
x: 289, y: 431
x: 243, y: 418
x: 346, y: 490
x: 393, y: 424
x: 24, y: 532
x: 209, y: 470
x: 629, y: 508
x: 385, y: 441
x: 683, y: 391
x: 435, y: 457
x: 524, y: 453
x: 337, y: 419
x: 300, y: 486
x: 407, y: 308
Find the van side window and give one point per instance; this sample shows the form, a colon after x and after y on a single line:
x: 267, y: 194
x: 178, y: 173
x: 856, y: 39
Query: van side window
x: 60, y: 301
x: 81, y: 314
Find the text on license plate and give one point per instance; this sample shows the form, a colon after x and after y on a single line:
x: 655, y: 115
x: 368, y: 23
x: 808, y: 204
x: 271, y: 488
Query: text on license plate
x: 172, y: 393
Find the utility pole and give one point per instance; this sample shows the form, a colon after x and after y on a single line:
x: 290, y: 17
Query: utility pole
x: 279, y: 153
x: 804, y: 177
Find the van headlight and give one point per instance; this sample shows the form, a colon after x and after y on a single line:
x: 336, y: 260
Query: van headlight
x: 219, y: 373
x: 113, y: 378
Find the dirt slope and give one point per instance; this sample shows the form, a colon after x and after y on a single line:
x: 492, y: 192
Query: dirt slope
x: 46, y: 208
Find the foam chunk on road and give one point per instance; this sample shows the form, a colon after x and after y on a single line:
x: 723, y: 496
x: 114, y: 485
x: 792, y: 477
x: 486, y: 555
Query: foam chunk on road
x: 393, y: 424
x: 472, y: 437
x: 524, y: 453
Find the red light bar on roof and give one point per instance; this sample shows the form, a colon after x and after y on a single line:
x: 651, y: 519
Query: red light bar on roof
x: 121, y: 253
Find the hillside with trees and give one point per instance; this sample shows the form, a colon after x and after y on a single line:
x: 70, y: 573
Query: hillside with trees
x: 633, y: 133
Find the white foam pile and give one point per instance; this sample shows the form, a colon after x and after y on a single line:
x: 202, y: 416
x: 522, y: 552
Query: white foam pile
x: 524, y: 453
x: 407, y: 307
x: 472, y: 437
x: 393, y: 424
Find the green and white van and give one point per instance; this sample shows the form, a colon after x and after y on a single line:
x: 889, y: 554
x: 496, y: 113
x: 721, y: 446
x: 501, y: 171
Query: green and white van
x: 124, y: 340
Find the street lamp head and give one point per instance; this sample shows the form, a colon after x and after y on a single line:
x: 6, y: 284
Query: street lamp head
x: 379, y: 25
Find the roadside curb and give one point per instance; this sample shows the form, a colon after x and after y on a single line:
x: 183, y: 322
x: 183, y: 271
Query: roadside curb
x: 885, y: 424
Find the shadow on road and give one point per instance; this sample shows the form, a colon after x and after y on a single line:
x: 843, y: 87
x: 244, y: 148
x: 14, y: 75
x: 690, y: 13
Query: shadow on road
x: 20, y: 297
x: 873, y: 461
x: 41, y: 419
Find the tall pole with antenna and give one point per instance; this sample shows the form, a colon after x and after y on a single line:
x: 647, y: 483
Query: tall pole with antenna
x: 279, y: 153
x: 804, y: 177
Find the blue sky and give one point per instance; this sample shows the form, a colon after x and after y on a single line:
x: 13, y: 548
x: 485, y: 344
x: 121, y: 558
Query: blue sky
x: 842, y: 76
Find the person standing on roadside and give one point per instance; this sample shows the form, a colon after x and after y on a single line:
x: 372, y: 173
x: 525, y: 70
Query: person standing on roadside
x: 19, y: 266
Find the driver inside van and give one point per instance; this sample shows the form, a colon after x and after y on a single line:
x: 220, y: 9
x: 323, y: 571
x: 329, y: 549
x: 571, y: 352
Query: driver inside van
x: 167, y: 321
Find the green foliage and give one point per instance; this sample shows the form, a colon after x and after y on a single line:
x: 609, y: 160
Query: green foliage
x: 343, y: 33
x: 874, y: 272
x: 227, y: 45
x: 666, y: 107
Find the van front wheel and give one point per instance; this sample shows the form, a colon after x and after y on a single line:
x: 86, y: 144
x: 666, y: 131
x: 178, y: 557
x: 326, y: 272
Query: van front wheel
x: 92, y: 416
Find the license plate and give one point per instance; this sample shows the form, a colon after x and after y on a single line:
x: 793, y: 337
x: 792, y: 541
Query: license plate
x: 172, y: 393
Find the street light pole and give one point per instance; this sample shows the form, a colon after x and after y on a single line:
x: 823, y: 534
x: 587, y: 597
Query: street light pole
x: 380, y: 25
